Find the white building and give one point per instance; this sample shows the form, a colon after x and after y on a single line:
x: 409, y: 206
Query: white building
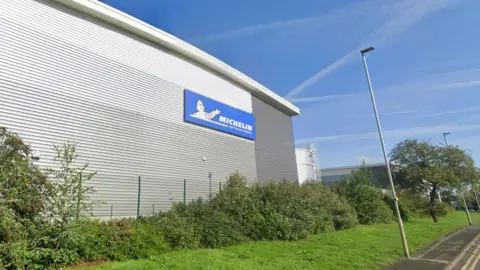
x: 307, y: 164
x: 138, y: 102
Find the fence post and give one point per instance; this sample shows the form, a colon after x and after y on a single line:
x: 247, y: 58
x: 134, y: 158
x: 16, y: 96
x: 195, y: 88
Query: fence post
x: 210, y: 183
x: 184, y: 191
x: 111, y: 211
x: 220, y: 186
x: 79, y: 195
x: 139, y: 191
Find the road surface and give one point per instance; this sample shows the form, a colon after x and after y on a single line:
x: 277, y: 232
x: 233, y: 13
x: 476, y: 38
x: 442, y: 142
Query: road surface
x: 457, y: 251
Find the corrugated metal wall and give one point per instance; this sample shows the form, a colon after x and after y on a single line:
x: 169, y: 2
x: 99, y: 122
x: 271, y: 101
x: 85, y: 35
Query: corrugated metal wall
x: 65, y: 76
x: 274, y: 147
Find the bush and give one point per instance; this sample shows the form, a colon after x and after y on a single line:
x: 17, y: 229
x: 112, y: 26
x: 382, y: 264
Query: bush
x: 268, y: 211
x: 331, y: 211
x: 179, y: 230
x: 405, y: 212
x: 367, y: 200
x: 283, y: 211
x: 120, y: 239
x: 198, y: 224
x: 40, y: 227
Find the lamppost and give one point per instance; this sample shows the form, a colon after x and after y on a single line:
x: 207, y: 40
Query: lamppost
x: 463, y: 195
x: 445, y: 137
x: 380, y: 134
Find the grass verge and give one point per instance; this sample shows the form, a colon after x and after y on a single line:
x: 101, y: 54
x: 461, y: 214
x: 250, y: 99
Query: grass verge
x: 364, y: 247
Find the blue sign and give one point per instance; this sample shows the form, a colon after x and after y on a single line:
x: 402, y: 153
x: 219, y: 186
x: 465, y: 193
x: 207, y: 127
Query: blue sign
x: 210, y: 113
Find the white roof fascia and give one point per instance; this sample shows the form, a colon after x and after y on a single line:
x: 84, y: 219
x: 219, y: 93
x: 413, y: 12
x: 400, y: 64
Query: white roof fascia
x: 120, y: 19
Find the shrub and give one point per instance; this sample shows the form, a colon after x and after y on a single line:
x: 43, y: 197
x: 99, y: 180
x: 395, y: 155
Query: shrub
x: 23, y: 187
x: 146, y: 239
x: 443, y: 208
x: 405, y: 212
x: 265, y: 211
x: 331, y: 211
x: 365, y: 198
x: 237, y: 202
x: 179, y: 230
x: 283, y: 211
x: 205, y: 226
x: 120, y: 239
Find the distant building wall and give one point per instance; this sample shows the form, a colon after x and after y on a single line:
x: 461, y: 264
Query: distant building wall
x: 332, y: 175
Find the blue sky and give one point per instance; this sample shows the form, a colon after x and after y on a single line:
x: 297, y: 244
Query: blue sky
x: 425, y: 69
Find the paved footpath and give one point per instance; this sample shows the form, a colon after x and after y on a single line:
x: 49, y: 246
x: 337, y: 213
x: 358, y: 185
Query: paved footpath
x: 457, y: 251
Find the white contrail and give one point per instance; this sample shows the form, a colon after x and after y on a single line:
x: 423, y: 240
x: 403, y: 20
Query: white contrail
x: 411, y: 13
x: 322, y: 73
x: 405, y: 132
x: 352, y: 10
x: 457, y: 111
x: 313, y: 99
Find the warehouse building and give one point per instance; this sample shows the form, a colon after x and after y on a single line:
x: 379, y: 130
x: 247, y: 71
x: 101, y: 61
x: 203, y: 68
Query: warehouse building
x: 336, y: 174
x: 138, y: 102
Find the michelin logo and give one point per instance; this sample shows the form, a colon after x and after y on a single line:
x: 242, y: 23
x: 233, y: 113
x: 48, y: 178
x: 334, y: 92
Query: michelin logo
x: 235, y: 123
x: 202, y: 114
x: 222, y: 120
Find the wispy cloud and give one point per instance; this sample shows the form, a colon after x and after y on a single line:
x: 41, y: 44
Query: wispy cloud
x: 473, y: 117
x: 386, y: 113
x: 410, y: 14
x: 315, y: 99
x: 349, y: 11
x: 449, y: 112
x: 399, y: 112
x: 406, y: 132
x: 465, y: 84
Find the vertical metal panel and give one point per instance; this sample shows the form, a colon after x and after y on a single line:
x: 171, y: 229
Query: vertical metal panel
x: 274, y: 147
x: 67, y: 77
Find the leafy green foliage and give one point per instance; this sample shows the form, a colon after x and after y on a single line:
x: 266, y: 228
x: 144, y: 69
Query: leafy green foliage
x: 363, y: 247
x: 70, y: 186
x: 331, y: 211
x: 23, y: 188
x: 201, y: 226
x: 34, y: 231
x: 367, y: 200
x: 119, y: 239
x: 419, y: 167
x: 405, y: 212
x: 283, y: 211
x: 44, y: 214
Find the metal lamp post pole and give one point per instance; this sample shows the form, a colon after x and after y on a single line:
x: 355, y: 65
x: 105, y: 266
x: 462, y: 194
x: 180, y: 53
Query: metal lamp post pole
x: 445, y: 137
x: 380, y: 134
x: 476, y: 198
x: 463, y: 195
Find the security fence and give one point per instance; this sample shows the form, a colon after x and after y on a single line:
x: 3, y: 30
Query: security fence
x: 144, y: 195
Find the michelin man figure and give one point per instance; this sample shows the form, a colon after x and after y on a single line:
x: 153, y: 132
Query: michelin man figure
x: 201, y: 114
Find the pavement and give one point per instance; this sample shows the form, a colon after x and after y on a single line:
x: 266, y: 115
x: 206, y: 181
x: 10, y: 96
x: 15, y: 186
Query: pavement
x: 459, y: 250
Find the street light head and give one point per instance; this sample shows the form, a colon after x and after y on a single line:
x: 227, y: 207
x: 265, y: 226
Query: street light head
x: 366, y: 50
x: 446, y: 133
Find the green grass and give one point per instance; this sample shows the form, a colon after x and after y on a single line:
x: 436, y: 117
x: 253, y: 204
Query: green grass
x: 365, y: 247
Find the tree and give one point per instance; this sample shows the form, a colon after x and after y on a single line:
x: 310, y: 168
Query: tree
x: 422, y: 168
x: 71, y: 190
